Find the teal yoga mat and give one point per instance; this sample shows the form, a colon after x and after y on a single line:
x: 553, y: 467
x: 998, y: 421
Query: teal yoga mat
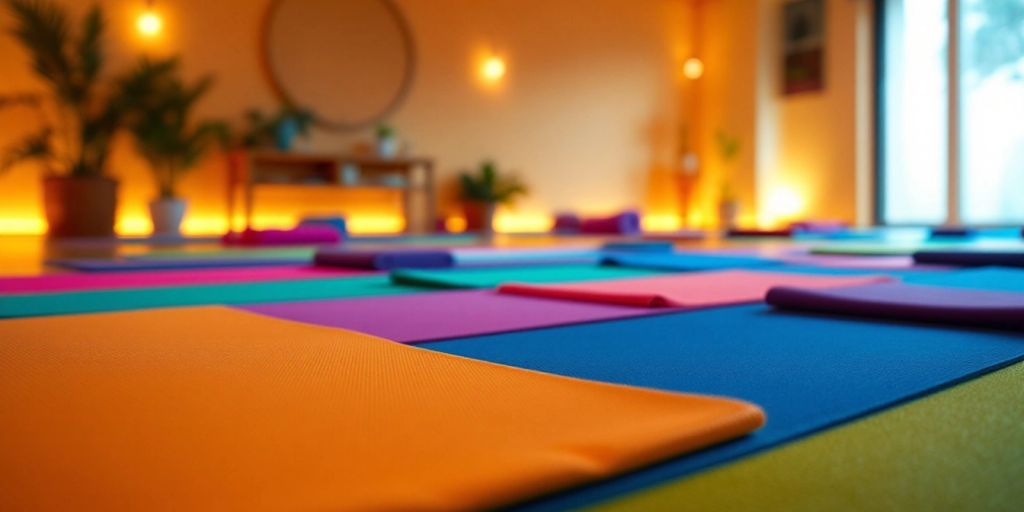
x: 45, y: 304
x: 492, y: 277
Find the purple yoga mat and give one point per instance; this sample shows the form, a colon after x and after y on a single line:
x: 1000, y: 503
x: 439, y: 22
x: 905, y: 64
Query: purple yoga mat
x: 384, y: 260
x: 300, y: 235
x: 626, y: 223
x: 439, y: 315
x: 144, y: 279
x: 898, y: 301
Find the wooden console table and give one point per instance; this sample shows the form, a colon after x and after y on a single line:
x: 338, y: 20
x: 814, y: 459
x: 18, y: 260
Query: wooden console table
x: 413, y: 176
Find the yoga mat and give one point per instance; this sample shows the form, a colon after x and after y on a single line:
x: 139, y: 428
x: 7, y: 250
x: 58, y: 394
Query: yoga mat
x: 905, y: 458
x: 696, y: 290
x: 995, y: 279
x: 865, y: 262
x: 643, y: 246
x: 625, y: 223
x: 969, y: 258
x: 899, y: 301
x: 384, y: 260
x: 808, y: 372
x: 439, y: 315
x: 484, y: 257
x: 45, y: 304
x: 304, y: 254
x: 126, y: 265
x: 685, y: 261
x: 300, y: 235
x: 492, y: 277
x: 759, y: 233
x: 882, y: 248
x: 819, y: 226
x: 209, y: 408
x: 79, y: 282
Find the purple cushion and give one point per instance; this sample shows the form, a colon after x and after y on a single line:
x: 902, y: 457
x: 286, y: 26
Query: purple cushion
x: 898, y: 301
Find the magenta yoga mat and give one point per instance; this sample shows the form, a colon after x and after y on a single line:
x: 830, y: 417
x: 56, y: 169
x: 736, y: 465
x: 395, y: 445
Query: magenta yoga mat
x: 145, y: 279
x: 441, y: 315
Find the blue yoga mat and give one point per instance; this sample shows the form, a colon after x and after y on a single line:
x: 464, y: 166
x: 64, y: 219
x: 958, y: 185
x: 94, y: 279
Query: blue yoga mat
x: 684, y: 261
x: 120, y: 265
x: 808, y: 372
x: 992, y: 278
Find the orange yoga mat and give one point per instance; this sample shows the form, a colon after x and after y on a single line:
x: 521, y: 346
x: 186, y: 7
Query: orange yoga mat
x: 687, y: 290
x: 216, y: 409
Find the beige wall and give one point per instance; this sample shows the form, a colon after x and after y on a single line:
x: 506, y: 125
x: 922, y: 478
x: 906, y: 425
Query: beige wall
x: 588, y: 114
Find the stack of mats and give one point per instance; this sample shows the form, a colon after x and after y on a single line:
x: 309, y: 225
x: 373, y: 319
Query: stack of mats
x: 298, y: 398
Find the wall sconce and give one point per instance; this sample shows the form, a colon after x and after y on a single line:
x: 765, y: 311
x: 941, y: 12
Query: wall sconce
x: 693, y: 68
x: 149, y: 23
x: 493, y: 69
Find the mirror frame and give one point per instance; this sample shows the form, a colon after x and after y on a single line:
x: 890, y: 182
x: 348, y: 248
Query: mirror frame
x: 279, y: 89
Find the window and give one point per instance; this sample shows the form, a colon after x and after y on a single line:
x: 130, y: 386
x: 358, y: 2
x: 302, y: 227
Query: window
x: 951, y: 116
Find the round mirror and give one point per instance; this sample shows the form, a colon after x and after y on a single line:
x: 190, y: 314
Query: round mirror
x: 348, y: 61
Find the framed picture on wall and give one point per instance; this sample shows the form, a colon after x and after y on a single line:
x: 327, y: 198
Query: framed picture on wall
x: 803, y: 46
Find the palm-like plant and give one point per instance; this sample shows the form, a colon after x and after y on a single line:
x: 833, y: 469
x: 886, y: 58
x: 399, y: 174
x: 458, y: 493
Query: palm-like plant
x: 489, y: 187
x: 79, y: 116
x: 162, y: 125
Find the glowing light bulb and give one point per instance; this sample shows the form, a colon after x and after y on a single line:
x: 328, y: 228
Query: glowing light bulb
x: 785, y: 203
x: 693, y: 68
x: 149, y: 24
x: 493, y: 69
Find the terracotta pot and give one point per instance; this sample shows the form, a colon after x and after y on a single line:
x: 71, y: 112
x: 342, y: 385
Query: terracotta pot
x: 479, y: 216
x: 80, y: 207
x: 166, y: 215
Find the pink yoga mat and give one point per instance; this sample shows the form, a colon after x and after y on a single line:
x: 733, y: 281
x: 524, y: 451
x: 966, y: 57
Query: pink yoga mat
x: 143, y: 279
x: 692, y: 290
x: 433, y: 316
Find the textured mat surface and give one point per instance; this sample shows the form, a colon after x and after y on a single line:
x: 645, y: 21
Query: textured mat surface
x: 492, y: 277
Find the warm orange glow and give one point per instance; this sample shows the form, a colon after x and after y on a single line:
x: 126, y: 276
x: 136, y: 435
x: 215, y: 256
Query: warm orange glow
x: 493, y: 69
x: 655, y: 223
x: 784, y: 204
x: 523, y: 223
x: 149, y: 23
x: 693, y: 68
x: 22, y: 226
x: 455, y: 224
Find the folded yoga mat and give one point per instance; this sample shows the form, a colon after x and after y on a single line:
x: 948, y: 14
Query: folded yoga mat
x: 208, y: 408
x: 300, y: 235
x: 106, y: 281
x: 44, y: 304
x: 439, y: 315
x: 384, y: 260
x: 808, y: 372
x: 492, y: 277
x: 685, y: 261
x: 971, y: 258
x: 899, y: 301
x: 493, y: 257
x: 135, y: 264
x: 700, y: 289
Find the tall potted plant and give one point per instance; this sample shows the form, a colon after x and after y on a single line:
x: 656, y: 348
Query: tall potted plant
x: 728, y: 203
x: 79, y: 116
x: 482, y: 191
x: 166, y: 136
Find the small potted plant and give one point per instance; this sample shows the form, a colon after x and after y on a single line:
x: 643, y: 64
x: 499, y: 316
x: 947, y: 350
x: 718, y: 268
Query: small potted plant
x: 728, y: 203
x: 387, y: 143
x: 278, y: 130
x: 170, y: 141
x: 80, y: 114
x: 482, y: 191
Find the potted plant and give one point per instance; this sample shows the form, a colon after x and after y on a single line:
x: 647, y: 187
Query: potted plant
x: 728, y: 203
x: 387, y: 143
x: 79, y: 114
x: 168, y: 139
x: 278, y: 130
x: 482, y: 191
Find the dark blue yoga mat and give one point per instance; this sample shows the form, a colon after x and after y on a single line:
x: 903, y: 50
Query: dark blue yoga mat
x: 808, y: 372
x: 683, y: 261
x: 993, y: 278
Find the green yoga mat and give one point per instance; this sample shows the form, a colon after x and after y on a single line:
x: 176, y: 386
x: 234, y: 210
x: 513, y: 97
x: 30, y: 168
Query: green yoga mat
x: 492, y: 277
x: 45, y: 304
x: 961, y: 449
x: 289, y: 253
x: 907, y: 248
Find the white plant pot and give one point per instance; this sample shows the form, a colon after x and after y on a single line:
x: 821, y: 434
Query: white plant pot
x: 387, y: 147
x: 167, y: 215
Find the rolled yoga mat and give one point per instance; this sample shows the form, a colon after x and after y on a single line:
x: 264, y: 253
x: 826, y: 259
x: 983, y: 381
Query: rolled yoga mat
x: 808, y: 372
x: 625, y: 223
x: 47, y: 304
x: 696, y: 290
x: 458, y: 278
x: 447, y: 314
x: 971, y: 258
x: 109, y: 281
x: 685, y: 261
x: 385, y: 259
x: 899, y: 301
x: 203, y: 408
